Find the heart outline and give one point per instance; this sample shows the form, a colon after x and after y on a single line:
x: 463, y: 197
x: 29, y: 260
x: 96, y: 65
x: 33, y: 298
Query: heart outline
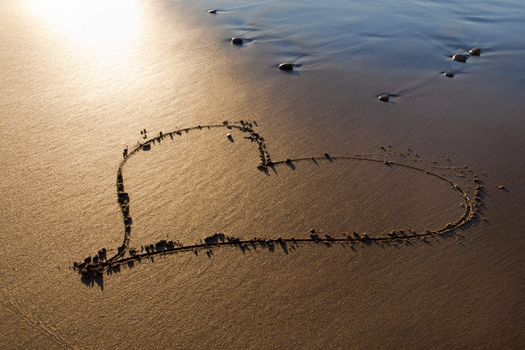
x: 92, y: 268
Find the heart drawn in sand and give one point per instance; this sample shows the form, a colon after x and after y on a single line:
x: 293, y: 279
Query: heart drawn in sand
x: 92, y: 268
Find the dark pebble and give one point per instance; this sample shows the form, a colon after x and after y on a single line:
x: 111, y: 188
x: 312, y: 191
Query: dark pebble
x: 237, y: 41
x: 383, y: 98
x: 459, y: 58
x: 213, y: 11
x: 475, y: 51
x: 286, y: 66
x: 448, y: 74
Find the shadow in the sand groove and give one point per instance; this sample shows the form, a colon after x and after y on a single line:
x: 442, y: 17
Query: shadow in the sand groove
x: 290, y: 164
x: 93, y: 268
x: 91, y: 281
x: 287, y: 246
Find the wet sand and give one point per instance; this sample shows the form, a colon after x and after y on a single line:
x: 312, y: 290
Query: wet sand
x: 470, y: 189
x: 72, y: 101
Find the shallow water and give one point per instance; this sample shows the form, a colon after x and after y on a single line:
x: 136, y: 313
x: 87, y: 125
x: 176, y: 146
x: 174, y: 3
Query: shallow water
x: 81, y: 78
x: 381, y: 35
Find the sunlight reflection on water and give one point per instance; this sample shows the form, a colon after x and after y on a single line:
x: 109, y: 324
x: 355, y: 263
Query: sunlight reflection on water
x: 95, y: 23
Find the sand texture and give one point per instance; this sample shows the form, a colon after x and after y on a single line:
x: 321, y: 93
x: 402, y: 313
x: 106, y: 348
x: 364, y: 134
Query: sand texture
x: 165, y: 187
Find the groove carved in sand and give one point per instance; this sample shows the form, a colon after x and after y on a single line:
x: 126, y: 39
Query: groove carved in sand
x: 93, y: 268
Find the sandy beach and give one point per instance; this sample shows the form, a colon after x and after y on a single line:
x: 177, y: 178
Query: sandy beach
x: 222, y: 202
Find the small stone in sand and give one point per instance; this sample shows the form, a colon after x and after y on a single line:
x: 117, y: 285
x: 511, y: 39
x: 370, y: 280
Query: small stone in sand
x: 286, y: 66
x: 213, y: 11
x: 448, y: 74
x: 459, y: 58
x: 383, y: 98
x: 501, y: 187
x: 475, y: 51
x: 237, y: 41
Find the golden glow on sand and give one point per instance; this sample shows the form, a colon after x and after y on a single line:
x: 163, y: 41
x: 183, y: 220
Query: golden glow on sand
x: 95, y: 22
